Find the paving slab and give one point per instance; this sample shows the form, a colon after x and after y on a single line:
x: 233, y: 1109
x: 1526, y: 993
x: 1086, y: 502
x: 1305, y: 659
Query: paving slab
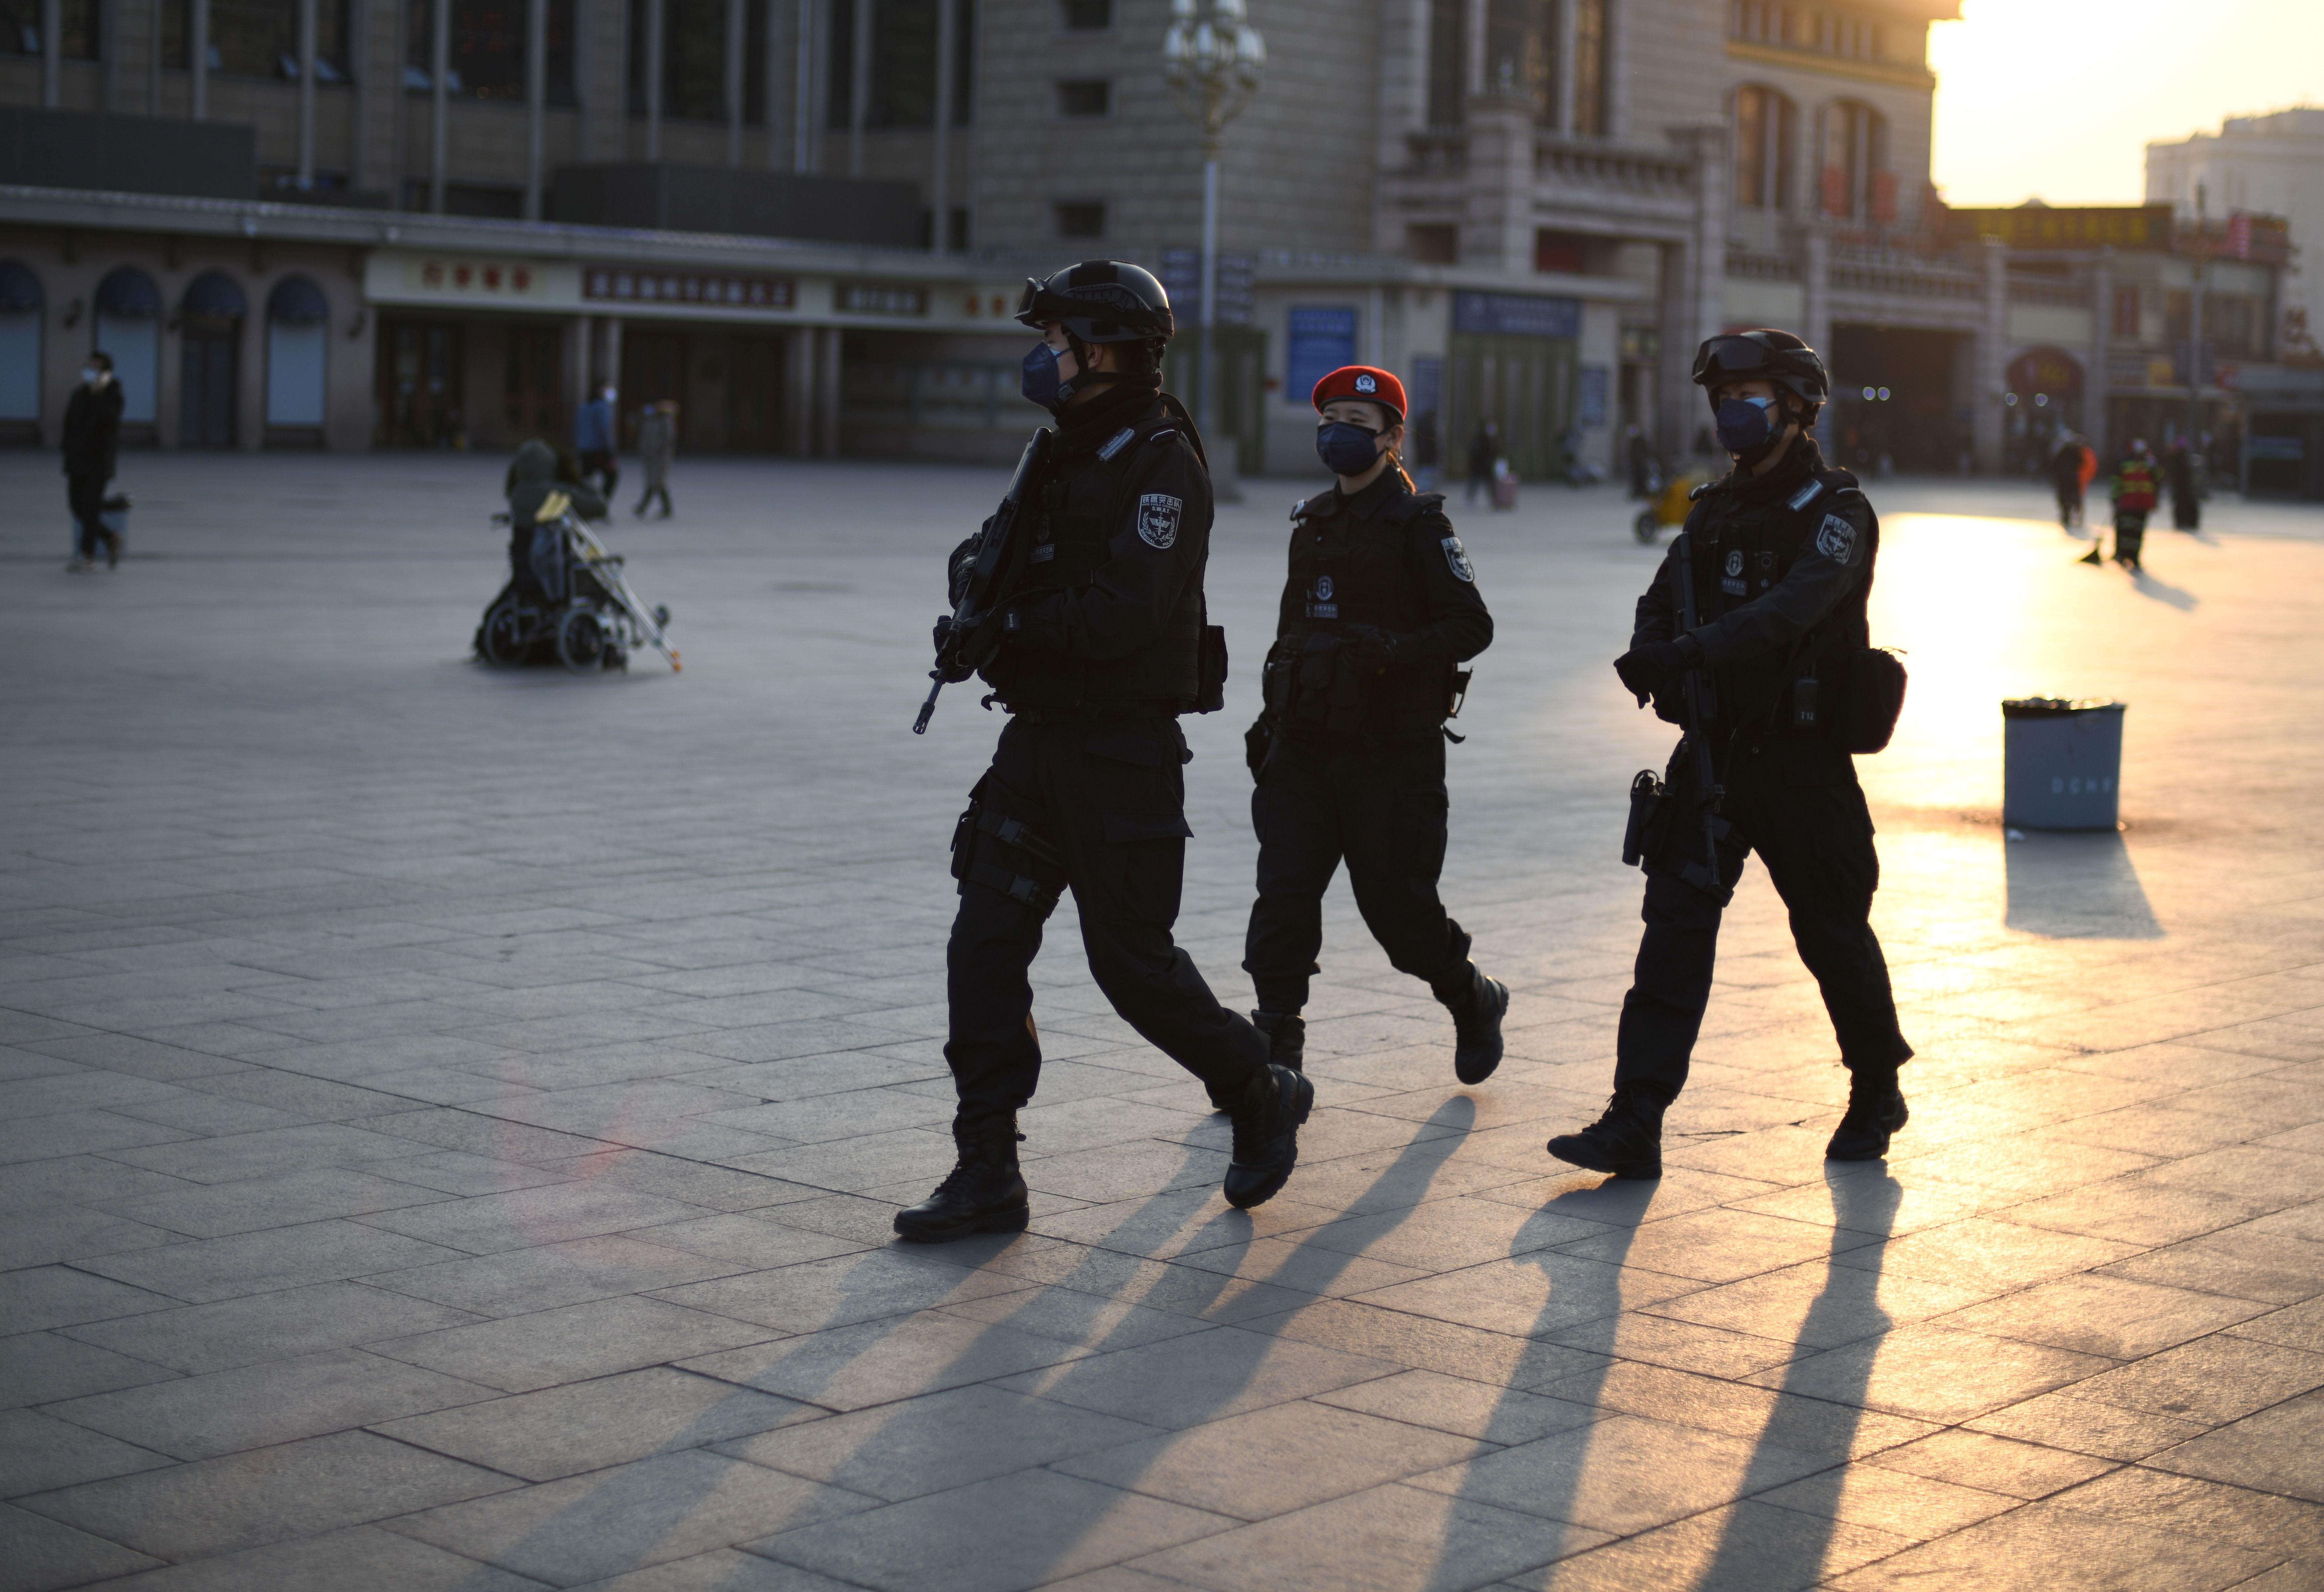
x: 440, y: 1155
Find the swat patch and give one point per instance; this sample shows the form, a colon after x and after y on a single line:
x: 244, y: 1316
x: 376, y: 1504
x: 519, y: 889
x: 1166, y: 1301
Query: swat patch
x: 1837, y: 539
x: 1157, y: 520
x: 1457, y: 557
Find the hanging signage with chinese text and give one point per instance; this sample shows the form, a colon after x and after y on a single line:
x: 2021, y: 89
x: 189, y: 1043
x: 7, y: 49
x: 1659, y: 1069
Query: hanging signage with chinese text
x: 482, y: 279
x: 879, y: 299
x: 709, y: 288
x: 2040, y: 227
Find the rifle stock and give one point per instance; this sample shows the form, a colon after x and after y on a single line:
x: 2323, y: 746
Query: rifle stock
x: 993, y: 575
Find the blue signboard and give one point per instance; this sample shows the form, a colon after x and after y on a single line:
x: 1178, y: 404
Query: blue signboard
x: 1593, y: 397
x: 1321, y: 339
x: 1516, y: 315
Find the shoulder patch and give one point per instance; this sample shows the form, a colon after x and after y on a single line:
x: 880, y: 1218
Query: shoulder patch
x: 1836, y: 539
x: 1457, y: 558
x: 1157, y: 520
x: 1120, y: 440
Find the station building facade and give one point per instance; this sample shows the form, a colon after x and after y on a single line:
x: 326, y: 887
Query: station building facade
x: 1533, y: 209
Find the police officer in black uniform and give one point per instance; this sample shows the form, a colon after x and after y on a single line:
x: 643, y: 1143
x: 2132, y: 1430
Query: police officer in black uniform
x: 1380, y: 610
x: 1782, y: 557
x: 1107, y: 645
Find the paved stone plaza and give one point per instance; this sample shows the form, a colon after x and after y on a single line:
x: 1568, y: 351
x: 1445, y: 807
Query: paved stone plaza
x: 450, y: 1120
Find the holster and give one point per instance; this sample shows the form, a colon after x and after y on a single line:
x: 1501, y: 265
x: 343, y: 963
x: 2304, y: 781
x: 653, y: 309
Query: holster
x: 1648, y: 800
x: 1002, y: 853
x: 1256, y: 742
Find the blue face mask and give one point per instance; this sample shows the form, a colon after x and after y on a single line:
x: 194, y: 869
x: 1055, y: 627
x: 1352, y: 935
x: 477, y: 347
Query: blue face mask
x: 1040, y: 383
x: 1346, y: 449
x: 1745, y: 424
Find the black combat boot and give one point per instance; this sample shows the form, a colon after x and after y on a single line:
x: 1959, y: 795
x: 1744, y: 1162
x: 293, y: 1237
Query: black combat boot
x: 1875, y: 1110
x: 984, y: 1193
x: 1267, y: 1135
x: 1286, y: 1047
x: 1477, y: 1005
x: 1626, y: 1141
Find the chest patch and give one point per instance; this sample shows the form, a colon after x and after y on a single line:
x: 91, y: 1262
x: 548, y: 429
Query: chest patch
x: 1734, y: 561
x: 1457, y: 558
x: 1322, y: 588
x: 1836, y: 539
x: 1157, y: 520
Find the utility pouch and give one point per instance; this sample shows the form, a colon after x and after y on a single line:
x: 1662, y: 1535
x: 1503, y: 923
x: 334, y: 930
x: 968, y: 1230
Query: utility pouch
x: 1804, y: 691
x: 1000, y: 854
x: 1278, y: 676
x: 1647, y: 798
x: 1256, y: 742
x: 1862, y: 716
x: 1213, y: 692
x: 1461, y: 678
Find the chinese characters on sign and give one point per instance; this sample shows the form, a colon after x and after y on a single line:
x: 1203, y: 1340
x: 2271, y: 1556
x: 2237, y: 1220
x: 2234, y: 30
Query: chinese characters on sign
x: 714, y: 289
x: 475, y: 276
x: 2038, y: 226
x: 878, y: 299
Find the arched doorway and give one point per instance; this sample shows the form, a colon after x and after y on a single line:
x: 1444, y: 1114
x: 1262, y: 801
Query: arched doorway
x: 21, y: 300
x: 129, y: 328
x: 298, y: 337
x: 2043, y: 399
x: 209, y: 342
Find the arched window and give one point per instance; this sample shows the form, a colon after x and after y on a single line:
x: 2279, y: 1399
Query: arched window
x: 298, y: 334
x: 128, y: 326
x: 1857, y: 183
x: 21, y: 302
x: 1765, y: 133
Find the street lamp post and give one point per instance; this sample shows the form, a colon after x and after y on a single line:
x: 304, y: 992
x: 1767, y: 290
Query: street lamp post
x: 1211, y: 56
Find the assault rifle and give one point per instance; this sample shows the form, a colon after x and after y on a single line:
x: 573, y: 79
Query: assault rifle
x: 1701, y: 706
x: 975, y: 632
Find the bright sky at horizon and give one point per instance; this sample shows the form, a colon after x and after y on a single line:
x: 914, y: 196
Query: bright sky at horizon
x: 2058, y: 98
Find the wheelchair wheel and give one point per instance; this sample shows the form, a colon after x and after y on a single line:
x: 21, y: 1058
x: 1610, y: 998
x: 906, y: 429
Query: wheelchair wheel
x: 580, y: 640
x: 1645, y: 527
x: 505, y: 639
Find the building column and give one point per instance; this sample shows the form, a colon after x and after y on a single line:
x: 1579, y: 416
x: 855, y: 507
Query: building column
x: 154, y: 10
x: 803, y: 82
x: 306, y: 94
x: 1496, y: 225
x: 168, y: 373
x: 250, y: 376
x: 439, y: 67
x: 536, y: 101
x: 2094, y: 379
x: 1992, y: 360
x: 657, y: 48
x: 825, y: 407
x: 940, y: 143
x: 858, y: 87
x: 800, y: 350
x: 52, y: 52
x: 198, y: 58
x: 735, y: 35
x: 1563, y: 109
x: 1815, y: 282
x: 580, y: 341
x: 608, y: 362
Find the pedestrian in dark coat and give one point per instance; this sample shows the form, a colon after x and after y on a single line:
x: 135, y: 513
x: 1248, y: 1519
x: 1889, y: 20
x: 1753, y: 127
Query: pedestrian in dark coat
x: 2186, y: 496
x: 1484, y: 453
x: 92, y: 439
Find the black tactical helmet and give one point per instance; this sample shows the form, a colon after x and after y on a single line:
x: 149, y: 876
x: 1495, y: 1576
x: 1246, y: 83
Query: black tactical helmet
x: 1763, y: 355
x: 1100, y: 301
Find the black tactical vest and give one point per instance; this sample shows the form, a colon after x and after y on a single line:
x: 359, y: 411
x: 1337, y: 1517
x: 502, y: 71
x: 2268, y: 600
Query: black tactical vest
x: 1079, y: 513
x: 1743, y: 549
x: 1348, y: 570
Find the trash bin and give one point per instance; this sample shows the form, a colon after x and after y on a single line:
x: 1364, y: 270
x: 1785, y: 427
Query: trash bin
x: 2061, y: 763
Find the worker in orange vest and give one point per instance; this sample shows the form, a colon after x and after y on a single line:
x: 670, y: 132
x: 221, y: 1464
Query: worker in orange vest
x: 2138, y: 486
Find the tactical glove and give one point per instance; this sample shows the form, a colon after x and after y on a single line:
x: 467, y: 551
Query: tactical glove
x: 1376, y: 649
x: 1645, y: 668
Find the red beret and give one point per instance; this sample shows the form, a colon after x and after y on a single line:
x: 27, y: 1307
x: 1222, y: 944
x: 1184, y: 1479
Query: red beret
x: 1364, y: 383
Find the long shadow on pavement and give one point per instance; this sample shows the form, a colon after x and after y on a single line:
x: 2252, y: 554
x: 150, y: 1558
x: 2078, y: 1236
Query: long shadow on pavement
x: 2077, y: 887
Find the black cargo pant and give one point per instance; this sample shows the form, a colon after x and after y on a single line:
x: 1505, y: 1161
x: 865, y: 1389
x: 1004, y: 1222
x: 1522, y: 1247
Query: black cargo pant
x: 1382, y: 808
x: 1104, y: 809
x: 1795, y: 800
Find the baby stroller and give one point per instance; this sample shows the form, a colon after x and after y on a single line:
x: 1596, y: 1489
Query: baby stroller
x: 1668, y: 508
x: 580, y: 610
